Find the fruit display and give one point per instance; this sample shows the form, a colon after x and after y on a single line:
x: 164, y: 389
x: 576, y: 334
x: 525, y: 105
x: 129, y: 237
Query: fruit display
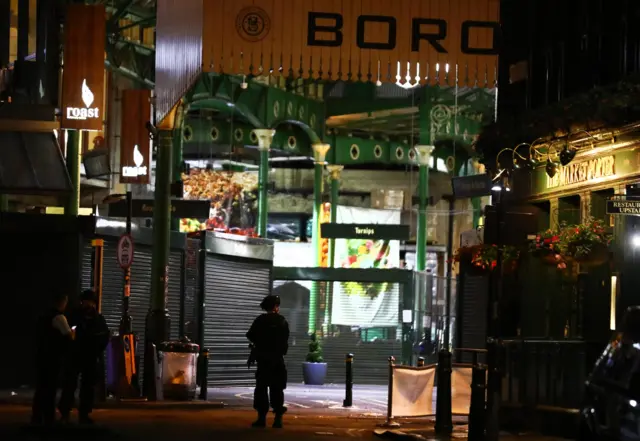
x: 233, y: 200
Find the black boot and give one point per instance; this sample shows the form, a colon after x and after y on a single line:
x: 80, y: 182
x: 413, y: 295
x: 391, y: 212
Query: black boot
x: 277, y: 422
x: 261, y: 421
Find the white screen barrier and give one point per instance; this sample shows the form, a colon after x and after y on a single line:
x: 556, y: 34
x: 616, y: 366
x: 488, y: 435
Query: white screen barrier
x: 412, y: 392
x: 460, y: 390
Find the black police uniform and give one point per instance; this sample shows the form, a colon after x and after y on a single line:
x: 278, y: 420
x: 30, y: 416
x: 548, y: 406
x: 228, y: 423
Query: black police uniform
x: 51, y: 347
x: 92, y: 336
x: 269, y: 334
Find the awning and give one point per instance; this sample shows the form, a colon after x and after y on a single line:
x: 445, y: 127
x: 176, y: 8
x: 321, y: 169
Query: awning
x: 32, y: 163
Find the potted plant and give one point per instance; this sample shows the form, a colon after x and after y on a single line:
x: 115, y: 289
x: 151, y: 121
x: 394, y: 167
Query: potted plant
x: 314, y: 370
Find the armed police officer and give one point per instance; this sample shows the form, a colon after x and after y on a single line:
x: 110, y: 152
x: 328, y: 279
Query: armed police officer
x: 92, y: 336
x: 269, y: 336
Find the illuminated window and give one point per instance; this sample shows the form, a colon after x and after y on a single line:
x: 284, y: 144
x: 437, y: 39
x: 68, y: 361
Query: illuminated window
x: 13, y: 42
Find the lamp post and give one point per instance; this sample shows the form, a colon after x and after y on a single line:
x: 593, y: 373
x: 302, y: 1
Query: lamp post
x: 265, y: 138
x: 334, y: 173
x: 424, y: 158
x: 320, y: 154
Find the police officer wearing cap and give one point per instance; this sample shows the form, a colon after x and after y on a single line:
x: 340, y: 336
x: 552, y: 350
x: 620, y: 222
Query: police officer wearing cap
x: 91, y: 338
x: 269, y: 336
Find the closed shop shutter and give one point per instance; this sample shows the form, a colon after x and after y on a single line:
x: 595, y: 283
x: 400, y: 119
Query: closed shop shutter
x: 173, y: 301
x: 112, y: 286
x: 371, y: 346
x: 472, y: 313
x: 140, y: 292
x: 190, y: 288
x: 87, y: 268
x: 234, y: 289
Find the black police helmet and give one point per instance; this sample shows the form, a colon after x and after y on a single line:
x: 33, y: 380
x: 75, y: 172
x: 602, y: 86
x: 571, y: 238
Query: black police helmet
x: 88, y: 296
x: 270, y: 302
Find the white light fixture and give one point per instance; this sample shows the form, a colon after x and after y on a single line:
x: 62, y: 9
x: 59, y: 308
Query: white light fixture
x: 635, y: 241
x: 613, y: 302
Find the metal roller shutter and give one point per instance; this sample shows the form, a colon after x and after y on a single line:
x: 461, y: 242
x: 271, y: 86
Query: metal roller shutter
x: 87, y: 268
x: 371, y: 347
x: 190, y: 288
x: 112, y: 286
x: 140, y: 291
x: 173, y: 301
x: 234, y: 290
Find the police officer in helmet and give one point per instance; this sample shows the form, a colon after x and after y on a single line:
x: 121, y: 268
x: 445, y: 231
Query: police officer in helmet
x: 269, y: 335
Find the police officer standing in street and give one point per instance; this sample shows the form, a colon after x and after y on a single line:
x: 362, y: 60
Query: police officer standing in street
x: 269, y: 335
x: 92, y: 336
x: 53, y: 335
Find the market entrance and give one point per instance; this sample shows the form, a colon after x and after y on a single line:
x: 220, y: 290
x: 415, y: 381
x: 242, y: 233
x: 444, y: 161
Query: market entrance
x: 366, y: 312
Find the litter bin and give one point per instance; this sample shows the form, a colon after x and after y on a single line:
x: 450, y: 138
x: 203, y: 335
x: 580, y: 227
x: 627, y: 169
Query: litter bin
x: 178, y: 363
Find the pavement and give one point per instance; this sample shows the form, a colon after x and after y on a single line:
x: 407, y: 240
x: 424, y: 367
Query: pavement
x: 368, y: 401
x: 232, y: 424
x: 315, y: 412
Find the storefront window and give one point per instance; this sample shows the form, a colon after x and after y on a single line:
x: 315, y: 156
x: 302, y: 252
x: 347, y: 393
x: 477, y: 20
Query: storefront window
x: 569, y: 210
x: 599, y: 204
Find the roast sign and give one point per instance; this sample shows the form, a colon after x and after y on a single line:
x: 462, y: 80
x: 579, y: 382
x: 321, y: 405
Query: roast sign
x: 87, y: 112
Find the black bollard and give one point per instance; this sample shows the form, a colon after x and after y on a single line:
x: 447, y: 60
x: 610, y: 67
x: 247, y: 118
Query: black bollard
x: 494, y: 379
x: 444, y: 419
x: 348, y: 385
x: 477, y: 403
x: 204, y: 374
x: 420, y: 361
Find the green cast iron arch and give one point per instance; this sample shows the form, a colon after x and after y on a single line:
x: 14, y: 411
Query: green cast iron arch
x: 313, y: 137
x: 232, y: 108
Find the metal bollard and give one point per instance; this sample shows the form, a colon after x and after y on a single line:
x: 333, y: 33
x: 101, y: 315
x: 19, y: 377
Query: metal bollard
x: 348, y: 393
x: 494, y: 380
x: 420, y: 361
x: 204, y: 374
x: 444, y: 419
x: 477, y: 403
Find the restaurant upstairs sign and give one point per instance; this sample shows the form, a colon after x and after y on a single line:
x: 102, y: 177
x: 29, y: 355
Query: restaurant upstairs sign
x: 83, y: 71
x: 583, y: 172
x: 357, y: 39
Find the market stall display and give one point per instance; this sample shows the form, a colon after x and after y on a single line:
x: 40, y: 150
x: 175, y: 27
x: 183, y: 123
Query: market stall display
x: 233, y: 197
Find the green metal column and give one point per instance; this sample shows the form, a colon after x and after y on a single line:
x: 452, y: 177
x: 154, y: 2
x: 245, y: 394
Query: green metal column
x: 176, y: 170
x: 72, y: 205
x: 265, y: 138
x: 161, y: 222
x: 320, y: 154
x: 334, y: 172
x: 424, y: 157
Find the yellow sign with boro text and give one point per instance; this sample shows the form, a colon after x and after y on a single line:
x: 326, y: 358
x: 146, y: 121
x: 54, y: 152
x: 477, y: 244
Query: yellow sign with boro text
x: 379, y: 40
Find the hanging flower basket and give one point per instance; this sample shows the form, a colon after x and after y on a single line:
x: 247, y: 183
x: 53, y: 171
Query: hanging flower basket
x: 586, y: 244
x: 484, y: 258
x: 589, y: 253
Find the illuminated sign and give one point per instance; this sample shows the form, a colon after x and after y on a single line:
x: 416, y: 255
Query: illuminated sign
x: 583, y: 172
x: 86, y: 112
x: 139, y: 169
x: 623, y: 207
x: 83, y: 78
